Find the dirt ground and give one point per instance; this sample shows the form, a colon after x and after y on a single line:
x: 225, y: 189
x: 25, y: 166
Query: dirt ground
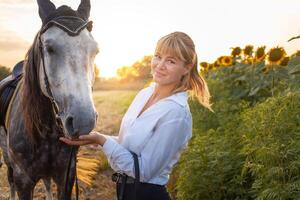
x: 111, y: 105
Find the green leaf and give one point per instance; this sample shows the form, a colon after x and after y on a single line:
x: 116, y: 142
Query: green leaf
x: 253, y: 91
x: 242, y: 78
x: 282, y: 73
x: 295, y: 69
x: 294, y: 61
x: 260, y: 66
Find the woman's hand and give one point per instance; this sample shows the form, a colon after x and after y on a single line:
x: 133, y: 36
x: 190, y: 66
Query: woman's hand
x: 94, y: 138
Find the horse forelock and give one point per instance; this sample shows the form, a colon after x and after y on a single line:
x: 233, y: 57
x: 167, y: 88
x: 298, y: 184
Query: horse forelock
x: 37, y: 109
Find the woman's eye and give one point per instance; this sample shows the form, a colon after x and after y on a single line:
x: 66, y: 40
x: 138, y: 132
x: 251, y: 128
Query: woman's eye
x: 171, y: 61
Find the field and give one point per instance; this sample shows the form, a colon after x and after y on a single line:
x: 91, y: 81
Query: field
x: 248, y: 148
x: 111, y: 105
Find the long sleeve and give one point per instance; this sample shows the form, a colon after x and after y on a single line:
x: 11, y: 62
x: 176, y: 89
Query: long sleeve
x: 159, y: 154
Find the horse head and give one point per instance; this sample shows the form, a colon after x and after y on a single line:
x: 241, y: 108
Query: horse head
x: 63, y: 64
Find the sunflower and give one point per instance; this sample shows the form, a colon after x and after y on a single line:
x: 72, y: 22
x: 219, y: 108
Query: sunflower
x: 276, y: 55
x: 248, y: 50
x: 226, y: 61
x: 236, y: 51
x: 248, y: 61
x: 204, y: 65
x: 219, y: 61
x: 202, y: 71
x: 216, y: 64
x: 260, y: 54
x: 285, y: 61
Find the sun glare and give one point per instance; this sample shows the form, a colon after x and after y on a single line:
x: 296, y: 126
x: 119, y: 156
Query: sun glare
x: 128, y: 30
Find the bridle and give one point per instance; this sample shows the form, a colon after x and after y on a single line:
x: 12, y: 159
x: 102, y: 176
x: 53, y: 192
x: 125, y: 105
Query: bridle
x: 60, y: 22
x: 64, y: 23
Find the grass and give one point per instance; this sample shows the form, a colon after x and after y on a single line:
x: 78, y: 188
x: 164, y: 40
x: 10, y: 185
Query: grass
x: 111, y: 106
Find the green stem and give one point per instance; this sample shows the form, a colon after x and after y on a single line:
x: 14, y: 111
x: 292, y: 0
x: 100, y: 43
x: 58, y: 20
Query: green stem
x: 272, y: 81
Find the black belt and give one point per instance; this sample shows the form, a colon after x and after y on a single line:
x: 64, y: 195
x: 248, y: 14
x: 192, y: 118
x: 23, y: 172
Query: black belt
x: 120, y: 178
x: 124, y: 179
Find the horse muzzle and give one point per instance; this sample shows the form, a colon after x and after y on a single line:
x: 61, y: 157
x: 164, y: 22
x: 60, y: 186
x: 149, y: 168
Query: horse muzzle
x: 80, y: 124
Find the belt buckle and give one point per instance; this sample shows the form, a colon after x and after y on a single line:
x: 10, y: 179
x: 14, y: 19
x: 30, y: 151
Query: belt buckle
x: 116, y: 177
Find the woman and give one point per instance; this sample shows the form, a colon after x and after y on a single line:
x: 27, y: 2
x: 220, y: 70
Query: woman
x: 158, y: 123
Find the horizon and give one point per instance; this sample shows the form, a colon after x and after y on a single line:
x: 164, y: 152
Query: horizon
x: 127, y: 31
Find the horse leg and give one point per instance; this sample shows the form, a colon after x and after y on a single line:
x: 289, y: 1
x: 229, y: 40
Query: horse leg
x: 1, y: 159
x: 47, y: 183
x: 2, y: 143
x: 10, y: 175
x: 24, y: 187
x: 61, y: 184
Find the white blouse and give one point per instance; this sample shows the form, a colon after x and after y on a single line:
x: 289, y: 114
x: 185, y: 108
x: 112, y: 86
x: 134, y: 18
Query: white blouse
x: 157, y: 136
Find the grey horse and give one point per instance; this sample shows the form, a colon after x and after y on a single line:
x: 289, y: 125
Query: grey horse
x: 53, y: 99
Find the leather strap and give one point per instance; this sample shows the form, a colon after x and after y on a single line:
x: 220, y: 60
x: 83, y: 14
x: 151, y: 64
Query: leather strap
x: 124, y: 177
x: 10, y: 98
x: 137, y: 173
x: 122, y: 188
x: 68, y: 190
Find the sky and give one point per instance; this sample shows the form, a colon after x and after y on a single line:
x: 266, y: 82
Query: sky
x: 127, y: 30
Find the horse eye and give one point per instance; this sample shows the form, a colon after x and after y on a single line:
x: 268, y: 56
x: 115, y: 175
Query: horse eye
x: 50, y: 49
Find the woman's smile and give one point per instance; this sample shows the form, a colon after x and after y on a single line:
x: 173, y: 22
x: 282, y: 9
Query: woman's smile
x: 159, y: 74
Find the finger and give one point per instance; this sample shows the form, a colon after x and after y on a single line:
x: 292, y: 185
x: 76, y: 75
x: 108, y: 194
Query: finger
x: 79, y: 143
x: 65, y: 140
x: 87, y: 137
x: 84, y: 137
x: 94, y: 133
x: 75, y: 142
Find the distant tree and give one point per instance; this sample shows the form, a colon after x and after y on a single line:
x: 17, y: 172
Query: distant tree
x: 143, y: 68
x: 126, y: 73
x: 4, y: 72
x: 139, y: 71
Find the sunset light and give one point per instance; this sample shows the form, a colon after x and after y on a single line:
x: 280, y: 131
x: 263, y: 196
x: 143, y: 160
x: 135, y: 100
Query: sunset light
x: 128, y: 30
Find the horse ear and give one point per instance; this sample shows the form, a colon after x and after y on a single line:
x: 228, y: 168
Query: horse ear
x: 45, y: 8
x: 84, y: 9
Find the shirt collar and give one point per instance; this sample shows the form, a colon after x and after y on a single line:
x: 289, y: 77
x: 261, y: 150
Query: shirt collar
x: 180, y: 97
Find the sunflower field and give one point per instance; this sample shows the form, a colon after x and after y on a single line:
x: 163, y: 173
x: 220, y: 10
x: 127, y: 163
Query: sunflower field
x: 249, y: 147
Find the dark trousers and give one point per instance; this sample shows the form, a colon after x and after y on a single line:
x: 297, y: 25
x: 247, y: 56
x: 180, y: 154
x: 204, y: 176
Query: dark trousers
x: 145, y: 191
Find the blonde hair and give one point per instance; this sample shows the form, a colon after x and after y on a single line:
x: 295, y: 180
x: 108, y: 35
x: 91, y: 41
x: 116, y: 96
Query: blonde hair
x: 180, y: 45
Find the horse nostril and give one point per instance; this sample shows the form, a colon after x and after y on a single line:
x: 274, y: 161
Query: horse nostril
x: 70, y: 126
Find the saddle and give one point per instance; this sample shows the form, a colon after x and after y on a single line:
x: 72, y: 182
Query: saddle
x: 7, y: 88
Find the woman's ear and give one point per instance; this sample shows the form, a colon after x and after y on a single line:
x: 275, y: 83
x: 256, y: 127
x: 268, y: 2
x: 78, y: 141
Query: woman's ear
x: 188, y: 68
